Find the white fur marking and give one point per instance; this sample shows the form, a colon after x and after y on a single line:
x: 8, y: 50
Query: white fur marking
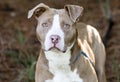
x: 59, y: 67
x: 55, y: 30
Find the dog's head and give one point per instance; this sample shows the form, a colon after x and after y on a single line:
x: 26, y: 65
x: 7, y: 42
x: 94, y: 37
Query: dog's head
x: 55, y: 28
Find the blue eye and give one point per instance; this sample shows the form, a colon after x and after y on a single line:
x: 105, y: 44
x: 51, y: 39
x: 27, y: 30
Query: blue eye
x: 45, y: 24
x: 66, y: 26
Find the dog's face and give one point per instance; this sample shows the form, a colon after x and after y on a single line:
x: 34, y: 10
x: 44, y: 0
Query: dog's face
x: 55, y: 28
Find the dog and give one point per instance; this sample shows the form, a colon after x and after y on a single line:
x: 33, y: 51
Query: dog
x: 71, y: 51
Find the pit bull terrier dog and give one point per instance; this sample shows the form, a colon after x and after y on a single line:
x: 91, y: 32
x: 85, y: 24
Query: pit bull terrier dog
x: 70, y: 51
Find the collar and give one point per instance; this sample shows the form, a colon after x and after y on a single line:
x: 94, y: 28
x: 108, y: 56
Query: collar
x: 83, y: 54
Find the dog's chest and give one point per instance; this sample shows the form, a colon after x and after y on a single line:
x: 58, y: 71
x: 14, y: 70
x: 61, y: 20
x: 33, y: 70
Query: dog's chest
x: 60, y: 68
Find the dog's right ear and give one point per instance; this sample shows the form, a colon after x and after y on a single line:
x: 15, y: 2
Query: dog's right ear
x: 38, y: 10
x: 74, y: 11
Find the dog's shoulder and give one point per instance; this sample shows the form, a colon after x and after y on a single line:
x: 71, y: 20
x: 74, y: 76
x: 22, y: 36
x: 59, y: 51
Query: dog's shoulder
x: 88, y: 32
x: 86, y: 28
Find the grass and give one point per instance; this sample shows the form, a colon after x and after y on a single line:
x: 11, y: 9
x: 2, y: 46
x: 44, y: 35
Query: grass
x: 21, y: 59
x: 26, y: 74
x: 116, y: 70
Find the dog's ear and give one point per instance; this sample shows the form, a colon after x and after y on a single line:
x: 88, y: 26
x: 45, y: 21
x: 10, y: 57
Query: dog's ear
x: 38, y: 10
x: 73, y: 11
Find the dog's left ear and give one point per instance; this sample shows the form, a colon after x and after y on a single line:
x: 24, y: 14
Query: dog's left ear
x: 73, y: 11
x: 38, y: 10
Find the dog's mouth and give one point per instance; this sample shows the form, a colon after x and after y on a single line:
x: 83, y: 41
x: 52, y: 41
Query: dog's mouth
x: 56, y: 49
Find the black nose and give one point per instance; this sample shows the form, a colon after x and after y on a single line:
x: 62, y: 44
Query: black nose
x: 55, y: 39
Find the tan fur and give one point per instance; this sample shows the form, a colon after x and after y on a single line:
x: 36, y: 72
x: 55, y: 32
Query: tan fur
x: 88, y: 38
x: 84, y: 66
x: 91, y: 35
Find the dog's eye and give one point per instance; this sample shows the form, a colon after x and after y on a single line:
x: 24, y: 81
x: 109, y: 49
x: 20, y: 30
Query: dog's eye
x: 66, y: 26
x: 45, y: 24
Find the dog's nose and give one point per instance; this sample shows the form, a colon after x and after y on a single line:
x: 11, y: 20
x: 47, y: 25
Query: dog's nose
x: 55, y: 39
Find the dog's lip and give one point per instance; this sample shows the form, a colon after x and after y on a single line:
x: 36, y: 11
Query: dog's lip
x: 55, y: 48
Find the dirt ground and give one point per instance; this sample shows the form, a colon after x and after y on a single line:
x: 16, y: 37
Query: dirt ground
x: 18, y: 42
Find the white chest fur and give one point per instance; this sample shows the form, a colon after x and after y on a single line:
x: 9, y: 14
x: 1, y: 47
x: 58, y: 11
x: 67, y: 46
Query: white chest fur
x: 60, y: 68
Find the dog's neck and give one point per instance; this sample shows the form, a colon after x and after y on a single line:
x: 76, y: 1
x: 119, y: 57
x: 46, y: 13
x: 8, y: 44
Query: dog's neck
x: 58, y: 61
x: 60, y: 65
x: 75, y: 52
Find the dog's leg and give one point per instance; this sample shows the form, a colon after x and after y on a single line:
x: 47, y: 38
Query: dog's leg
x: 100, y: 63
x: 100, y: 55
x: 101, y: 74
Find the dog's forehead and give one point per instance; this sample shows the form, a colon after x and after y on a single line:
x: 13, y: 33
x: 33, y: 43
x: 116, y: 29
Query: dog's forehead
x: 63, y: 15
x: 58, y: 11
x: 52, y: 12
